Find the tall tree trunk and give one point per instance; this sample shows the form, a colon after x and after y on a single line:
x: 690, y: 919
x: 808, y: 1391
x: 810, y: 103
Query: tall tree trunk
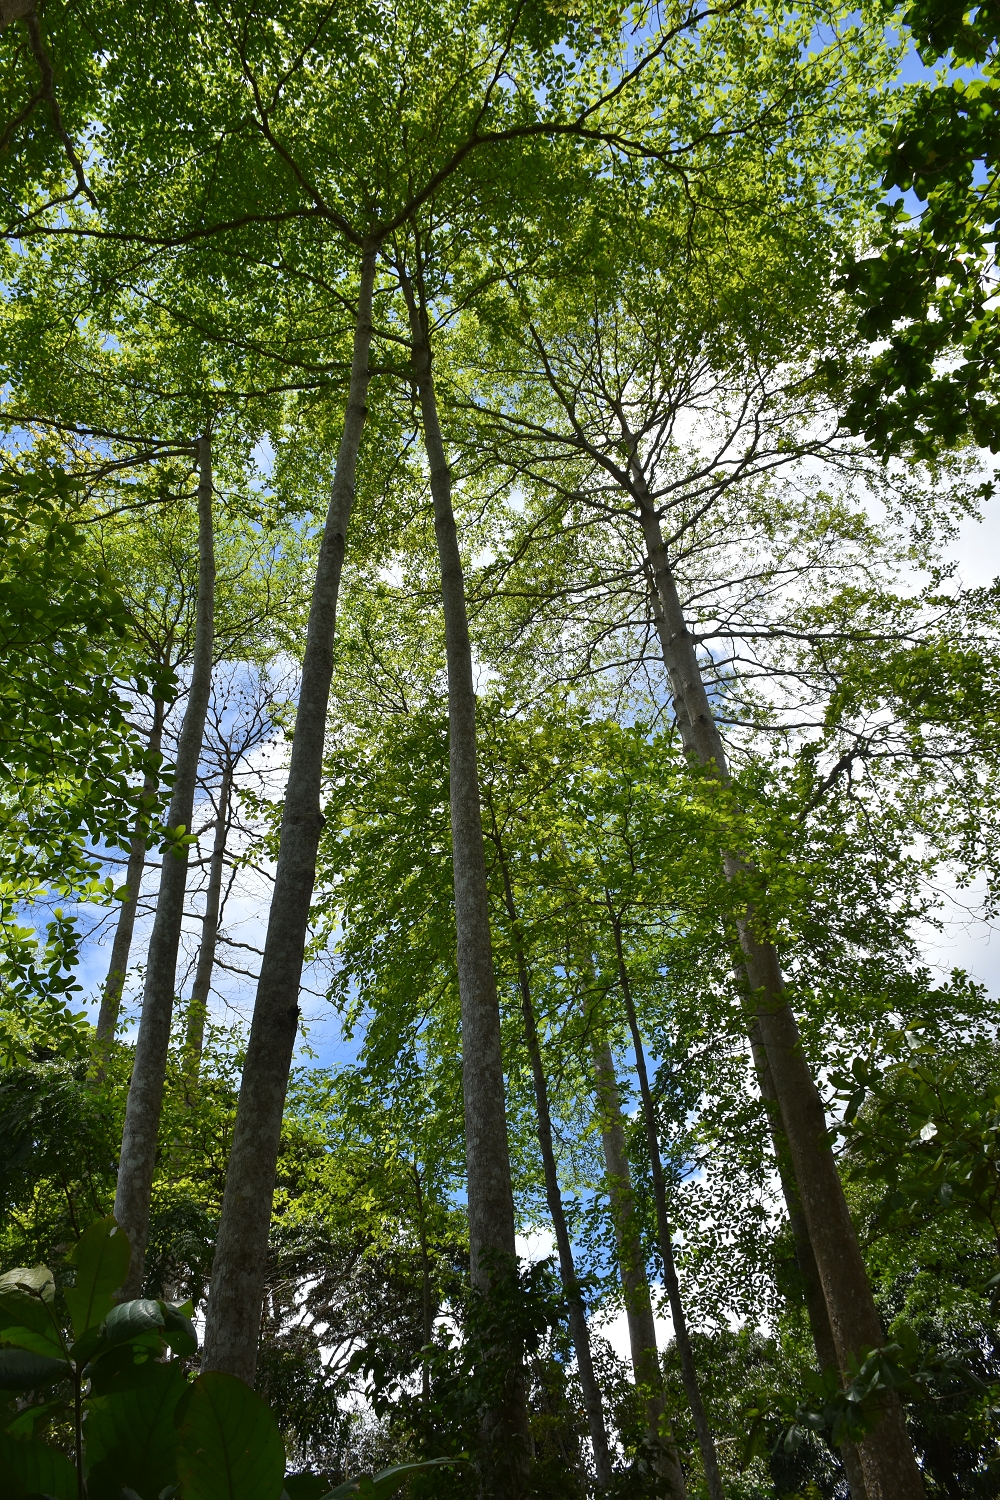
x: 111, y: 998
x: 490, y: 1198
x: 198, y: 1004
x: 635, y: 1283
x: 579, y: 1332
x: 145, y: 1095
x: 237, y: 1285
x: 890, y: 1468
x: 689, y: 1374
x: 425, y: 1282
x: 819, y: 1322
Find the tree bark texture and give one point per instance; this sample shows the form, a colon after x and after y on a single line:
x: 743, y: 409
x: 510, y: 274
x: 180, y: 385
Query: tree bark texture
x: 490, y: 1197
x: 689, y: 1373
x: 111, y: 997
x: 819, y: 1322
x: 238, y: 1270
x: 890, y: 1468
x: 145, y: 1095
x: 15, y: 10
x: 579, y: 1332
x: 635, y: 1282
x: 197, y: 1012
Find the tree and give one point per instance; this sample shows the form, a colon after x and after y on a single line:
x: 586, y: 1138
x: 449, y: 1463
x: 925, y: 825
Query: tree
x: 142, y: 1115
x: 567, y: 1270
x: 927, y: 289
x: 50, y: 82
x: 68, y: 749
x: 615, y: 379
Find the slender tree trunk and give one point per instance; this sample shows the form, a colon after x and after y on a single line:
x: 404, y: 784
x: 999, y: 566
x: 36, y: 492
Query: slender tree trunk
x: 145, y: 1095
x: 819, y: 1322
x: 198, y: 1004
x: 635, y: 1282
x: 111, y: 999
x: 490, y: 1198
x: 425, y: 1277
x: 689, y: 1374
x: 890, y: 1468
x: 579, y: 1332
x: 238, y: 1270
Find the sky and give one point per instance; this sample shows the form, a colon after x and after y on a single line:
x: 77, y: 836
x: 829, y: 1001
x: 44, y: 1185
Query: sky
x: 968, y: 942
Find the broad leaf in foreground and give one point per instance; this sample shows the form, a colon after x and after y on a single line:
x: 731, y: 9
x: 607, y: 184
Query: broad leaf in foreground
x: 229, y: 1446
x: 31, y: 1468
x: 101, y: 1260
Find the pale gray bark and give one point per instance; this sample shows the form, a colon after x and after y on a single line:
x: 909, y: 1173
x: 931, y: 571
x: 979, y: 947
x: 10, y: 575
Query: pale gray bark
x: 689, y: 1373
x: 890, y: 1468
x: 237, y: 1284
x: 145, y: 1095
x: 490, y: 1198
x: 111, y: 997
x: 198, y: 1003
x: 635, y: 1282
x: 579, y: 1332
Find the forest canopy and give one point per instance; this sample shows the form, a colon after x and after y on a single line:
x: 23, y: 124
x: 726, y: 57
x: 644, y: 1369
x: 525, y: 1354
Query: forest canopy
x: 490, y: 718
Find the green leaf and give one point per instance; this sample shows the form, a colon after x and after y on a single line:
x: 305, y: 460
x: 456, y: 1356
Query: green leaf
x: 306, y: 1486
x: 381, y: 1486
x: 86, y: 1347
x: 132, y: 1320
x: 47, y: 1344
x: 21, y: 1370
x: 25, y: 1424
x: 139, y: 1323
x: 123, y: 1368
x: 101, y: 1258
x: 32, y: 1468
x: 229, y: 1447
x: 131, y: 1437
x: 178, y: 1330
x: 25, y: 1297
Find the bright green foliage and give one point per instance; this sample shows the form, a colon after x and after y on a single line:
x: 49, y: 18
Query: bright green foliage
x: 68, y: 754
x: 59, y: 610
x: 49, y: 83
x: 929, y: 291
x: 101, y: 1260
x: 929, y: 1130
x: 623, y: 220
x: 66, y: 750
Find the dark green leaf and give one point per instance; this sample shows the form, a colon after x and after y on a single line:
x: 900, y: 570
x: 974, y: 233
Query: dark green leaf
x: 381, y: 1486
x: 123, y: 1368
x: 131, y: 1437
x: 178, y: 1329
x: 306, y: 1486
x: 21, y: 1370
x: 131, y: 1320
x: 229, y: 1447
x: 28, y: 1467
